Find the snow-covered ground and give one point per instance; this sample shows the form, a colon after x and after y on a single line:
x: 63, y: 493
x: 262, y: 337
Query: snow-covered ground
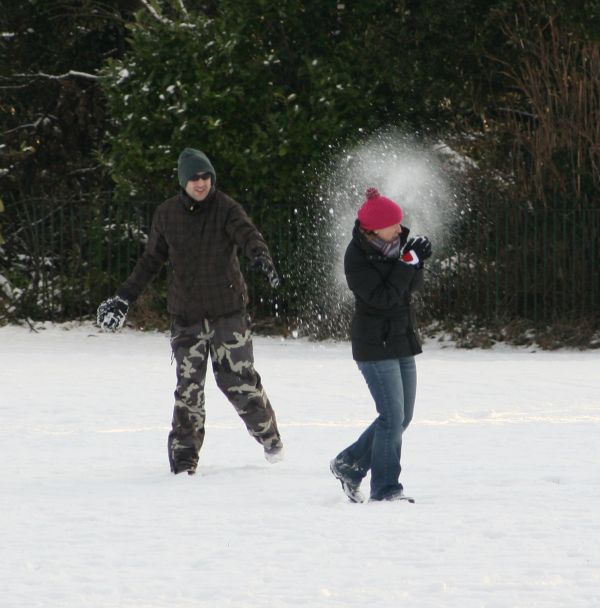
x: 502, y: 459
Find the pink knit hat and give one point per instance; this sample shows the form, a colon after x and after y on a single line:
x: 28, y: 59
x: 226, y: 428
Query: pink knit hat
x: 378, y: 212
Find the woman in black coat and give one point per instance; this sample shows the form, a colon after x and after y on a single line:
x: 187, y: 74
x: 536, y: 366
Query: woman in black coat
x: 383, y: 267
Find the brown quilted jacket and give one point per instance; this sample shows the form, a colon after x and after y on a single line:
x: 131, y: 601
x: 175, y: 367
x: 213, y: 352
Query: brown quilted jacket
x: 200, y: 240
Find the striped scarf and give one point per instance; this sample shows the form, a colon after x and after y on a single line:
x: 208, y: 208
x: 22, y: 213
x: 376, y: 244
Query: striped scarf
x: 389, y: 249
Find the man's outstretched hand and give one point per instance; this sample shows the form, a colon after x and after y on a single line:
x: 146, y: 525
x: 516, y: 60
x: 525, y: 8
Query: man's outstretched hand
x: 264, y: 264
x: 111, y: 313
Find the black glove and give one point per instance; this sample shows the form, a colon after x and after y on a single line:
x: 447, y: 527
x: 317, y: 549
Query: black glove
x: 263, y: 263
x: 111, y: 313
x: 416, y: 250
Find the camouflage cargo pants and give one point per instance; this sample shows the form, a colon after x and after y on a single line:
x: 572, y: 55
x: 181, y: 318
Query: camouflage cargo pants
x: 229, y: 342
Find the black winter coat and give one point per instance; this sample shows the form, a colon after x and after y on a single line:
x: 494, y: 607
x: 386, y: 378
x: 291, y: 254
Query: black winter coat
x: 383, y: 326
x: 200, y: 240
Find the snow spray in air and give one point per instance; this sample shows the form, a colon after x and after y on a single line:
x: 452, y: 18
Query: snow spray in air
x: 401, y: 169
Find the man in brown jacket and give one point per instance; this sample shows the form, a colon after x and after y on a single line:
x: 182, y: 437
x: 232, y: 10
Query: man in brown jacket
x: 199, y: 232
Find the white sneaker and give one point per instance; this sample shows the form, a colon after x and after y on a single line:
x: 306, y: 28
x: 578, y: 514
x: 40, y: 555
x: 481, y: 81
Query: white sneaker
x: 274, y: 454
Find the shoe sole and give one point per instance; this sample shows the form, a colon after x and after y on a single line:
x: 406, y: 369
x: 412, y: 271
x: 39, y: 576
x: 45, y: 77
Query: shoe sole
x: 400, y: 498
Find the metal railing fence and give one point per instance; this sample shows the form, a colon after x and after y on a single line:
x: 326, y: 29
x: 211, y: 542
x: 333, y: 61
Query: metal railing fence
x: 62, y: 257
x: 518, y: 263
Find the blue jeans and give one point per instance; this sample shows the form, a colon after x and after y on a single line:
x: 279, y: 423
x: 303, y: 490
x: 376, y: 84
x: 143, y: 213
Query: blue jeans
x: 393, y: 386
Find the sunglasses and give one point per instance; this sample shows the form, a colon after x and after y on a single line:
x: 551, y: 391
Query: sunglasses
x: 198, y: 176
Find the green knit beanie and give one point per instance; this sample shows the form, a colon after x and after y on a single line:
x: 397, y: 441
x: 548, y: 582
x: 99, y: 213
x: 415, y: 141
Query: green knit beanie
x: 191, y: 162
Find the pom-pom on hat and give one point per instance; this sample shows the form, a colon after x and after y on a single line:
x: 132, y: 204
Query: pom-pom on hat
x: 378, y: 211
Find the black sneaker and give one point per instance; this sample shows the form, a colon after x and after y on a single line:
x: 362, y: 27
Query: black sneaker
x: 183, y: 467
x: 350, y: 487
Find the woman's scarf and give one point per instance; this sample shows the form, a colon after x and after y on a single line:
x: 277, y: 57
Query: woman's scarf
x: 389, y: 249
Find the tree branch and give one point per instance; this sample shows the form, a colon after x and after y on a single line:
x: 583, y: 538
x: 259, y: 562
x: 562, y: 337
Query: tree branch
x: 155, y: 14
x: 73, y: 73
x: 183, y: 9
x: 32, y: 125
